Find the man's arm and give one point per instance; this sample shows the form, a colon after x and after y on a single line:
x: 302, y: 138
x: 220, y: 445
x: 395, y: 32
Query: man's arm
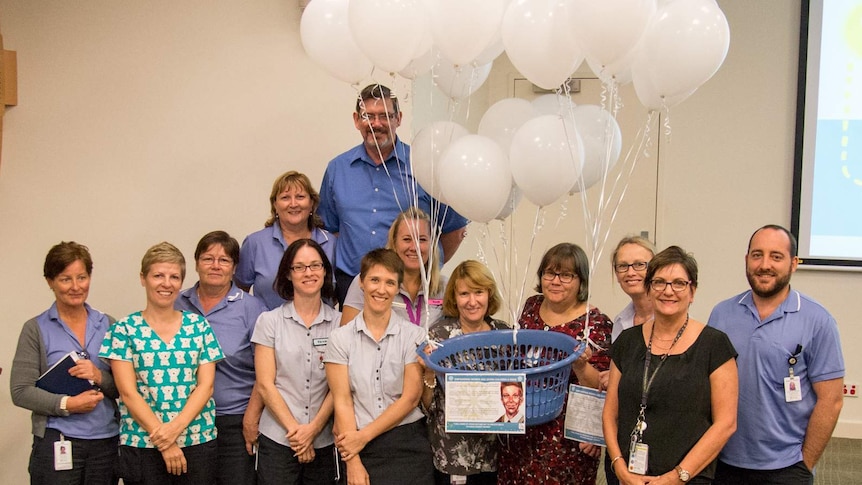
x: 451, y: 241
x: 830, y: 398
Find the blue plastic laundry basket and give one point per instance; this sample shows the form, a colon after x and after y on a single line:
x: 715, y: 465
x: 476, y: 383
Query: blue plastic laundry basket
x: 545, y: 357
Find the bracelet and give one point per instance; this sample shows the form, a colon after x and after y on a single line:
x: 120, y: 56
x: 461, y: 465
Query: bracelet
x: 429, y: 386
x: 63, y: 401
x: 615, y: 460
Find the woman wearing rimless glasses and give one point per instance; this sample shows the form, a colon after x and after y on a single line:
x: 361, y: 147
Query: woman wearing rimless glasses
x: 232, y: 314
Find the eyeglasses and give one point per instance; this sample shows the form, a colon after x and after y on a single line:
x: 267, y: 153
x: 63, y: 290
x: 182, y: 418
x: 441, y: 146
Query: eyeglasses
x: 549, y: 275
x: 623, y: 267
x: 381, y: 117
x: 675, y: 285
x: 301, y: 268
x: 211, y: 261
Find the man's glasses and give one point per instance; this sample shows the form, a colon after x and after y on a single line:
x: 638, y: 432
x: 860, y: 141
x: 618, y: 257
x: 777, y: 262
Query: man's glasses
x: 381, y: 117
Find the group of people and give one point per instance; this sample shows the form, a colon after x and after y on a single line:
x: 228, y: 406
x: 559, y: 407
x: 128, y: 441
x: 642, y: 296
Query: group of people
x: 253, y: 376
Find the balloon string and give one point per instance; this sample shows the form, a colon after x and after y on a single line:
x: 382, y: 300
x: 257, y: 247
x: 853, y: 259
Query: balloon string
x: 642, y: 149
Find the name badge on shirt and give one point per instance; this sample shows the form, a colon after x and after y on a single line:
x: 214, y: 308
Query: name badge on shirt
x: 319, y: 342
x: 638, y: 455
x: 62, y: 454
x: 792, y: 389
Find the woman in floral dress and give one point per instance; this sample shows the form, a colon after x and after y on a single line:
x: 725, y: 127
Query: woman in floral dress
x: 543, y: 455
x: 471, y: 298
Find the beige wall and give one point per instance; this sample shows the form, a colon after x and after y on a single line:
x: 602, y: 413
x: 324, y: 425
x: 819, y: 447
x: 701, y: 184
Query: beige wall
x: 149, y: 121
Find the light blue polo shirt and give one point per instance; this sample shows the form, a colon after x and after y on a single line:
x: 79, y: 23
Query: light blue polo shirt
x: 770, y: 431
x: 261, y: 254
x: 232, y: 320
x: 59, y: 341
x: 359, y: 200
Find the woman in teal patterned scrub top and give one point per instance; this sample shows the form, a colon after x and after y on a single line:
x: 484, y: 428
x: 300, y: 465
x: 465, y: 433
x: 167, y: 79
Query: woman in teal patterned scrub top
x: 163, y: 362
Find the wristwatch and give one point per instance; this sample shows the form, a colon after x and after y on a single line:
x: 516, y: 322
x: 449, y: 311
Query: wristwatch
x: 684, y: 476
x: 63, y: 410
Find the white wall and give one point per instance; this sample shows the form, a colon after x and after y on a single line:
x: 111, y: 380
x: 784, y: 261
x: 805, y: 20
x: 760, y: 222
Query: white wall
x: 150, y: 121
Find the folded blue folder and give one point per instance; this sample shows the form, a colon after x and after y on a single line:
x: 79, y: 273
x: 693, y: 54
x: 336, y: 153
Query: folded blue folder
x: 58, y: 380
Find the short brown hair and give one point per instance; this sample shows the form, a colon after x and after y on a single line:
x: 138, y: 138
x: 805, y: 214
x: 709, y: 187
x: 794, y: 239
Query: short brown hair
x: 383, y: 257
x: 669, y: 256
x: 221, y: 238
x: 477, y: 276
x: 376, y: 91
x: 61, y: 255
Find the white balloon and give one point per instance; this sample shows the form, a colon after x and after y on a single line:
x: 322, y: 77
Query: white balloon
x: 503, y: 118
x: 684, y: 46
x: 512, y: 202
x: 420, y: 65
x: 553, y: 104
x: 475, y: 177
x: 609, y: 30
x: 602, y: 139
x: 648, y: 94
x: 459, y: 81
x: 546, y: 157
x: 535, y: 34
x: 388, y: 31
x: 327, y: 40
x: 619, y: 72
x: 462, y: 29
x: 493, y: 51
x: 427, y: 148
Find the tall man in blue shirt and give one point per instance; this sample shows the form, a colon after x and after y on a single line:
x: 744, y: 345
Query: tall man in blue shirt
x: 791, y: 370
x: 366, y: 187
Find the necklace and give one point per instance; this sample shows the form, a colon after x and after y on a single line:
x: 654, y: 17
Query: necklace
x: 641, y: 425
x: 675, y: 340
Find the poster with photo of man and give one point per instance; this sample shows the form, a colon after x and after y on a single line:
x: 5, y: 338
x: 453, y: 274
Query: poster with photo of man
x: 486, y: 403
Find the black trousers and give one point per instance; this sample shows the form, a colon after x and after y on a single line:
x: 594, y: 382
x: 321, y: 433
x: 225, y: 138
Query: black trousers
x: 277, y: 465
x: 145, y: 466
x: 796, y: 474
x: 235, y: 465
x: 93, y: 461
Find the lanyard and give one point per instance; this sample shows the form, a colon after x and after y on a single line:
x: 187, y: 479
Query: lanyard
x: 415, y: 318
x: 648, y: 379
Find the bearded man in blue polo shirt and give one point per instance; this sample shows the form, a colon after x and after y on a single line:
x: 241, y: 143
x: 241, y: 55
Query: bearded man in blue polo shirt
x: 791, y: 370
x: 365, y: 188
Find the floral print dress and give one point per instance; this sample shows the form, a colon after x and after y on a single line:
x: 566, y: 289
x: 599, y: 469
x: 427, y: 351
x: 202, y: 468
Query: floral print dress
x: 458, y: 453
x: 543, y: 456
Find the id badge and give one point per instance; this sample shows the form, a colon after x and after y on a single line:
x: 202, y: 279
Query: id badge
x: 792, y: 389
x: 638, y: 456
x: 62, y: 455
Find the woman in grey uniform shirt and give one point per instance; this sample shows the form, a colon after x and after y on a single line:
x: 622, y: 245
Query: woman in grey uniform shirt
x: 296, y: 428
x: 376, y: 385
